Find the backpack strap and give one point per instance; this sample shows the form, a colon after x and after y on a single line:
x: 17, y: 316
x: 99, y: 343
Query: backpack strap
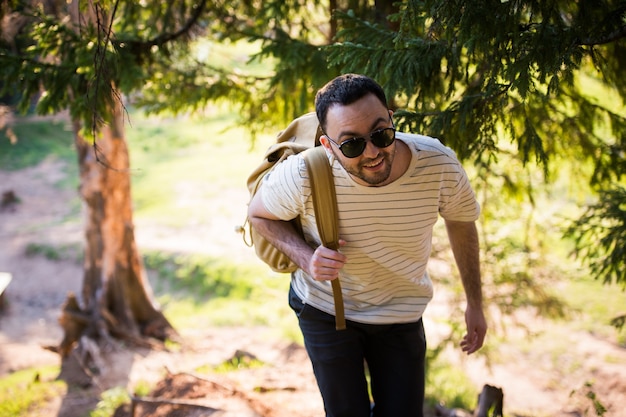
x: 327, y: 218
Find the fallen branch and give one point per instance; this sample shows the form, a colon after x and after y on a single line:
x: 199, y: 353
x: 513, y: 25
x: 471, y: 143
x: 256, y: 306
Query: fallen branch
x: 166, y: 401
x: 257, y: 406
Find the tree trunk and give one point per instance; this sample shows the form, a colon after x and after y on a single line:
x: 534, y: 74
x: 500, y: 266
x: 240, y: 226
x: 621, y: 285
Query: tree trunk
x: 116, y: 296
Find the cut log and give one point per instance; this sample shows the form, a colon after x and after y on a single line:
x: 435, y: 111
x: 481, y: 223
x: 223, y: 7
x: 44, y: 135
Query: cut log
x: 490, y: 399
x: 166, y: 401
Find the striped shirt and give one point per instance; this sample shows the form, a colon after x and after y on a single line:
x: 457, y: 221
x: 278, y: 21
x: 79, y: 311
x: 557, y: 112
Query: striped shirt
x: 388, y: 230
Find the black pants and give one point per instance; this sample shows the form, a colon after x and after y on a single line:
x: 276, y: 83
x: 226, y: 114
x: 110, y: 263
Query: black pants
x: 394, y: 354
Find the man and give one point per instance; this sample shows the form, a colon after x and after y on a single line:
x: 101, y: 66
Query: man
x: 390, y: 187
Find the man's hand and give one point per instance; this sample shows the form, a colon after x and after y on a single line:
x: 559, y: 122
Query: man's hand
x: 326, y: 263
x: 476, y: 330
x: 464, y: 242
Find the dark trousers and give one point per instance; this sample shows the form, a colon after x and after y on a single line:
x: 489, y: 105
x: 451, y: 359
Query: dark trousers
x: 393, y: 354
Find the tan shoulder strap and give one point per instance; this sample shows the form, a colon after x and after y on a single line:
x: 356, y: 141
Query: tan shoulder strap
x: 325, y: 206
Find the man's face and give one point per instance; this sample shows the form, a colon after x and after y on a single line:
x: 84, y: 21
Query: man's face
x: 359, y: 119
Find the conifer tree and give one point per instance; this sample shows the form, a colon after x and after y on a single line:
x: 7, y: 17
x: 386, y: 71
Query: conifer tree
x: 82, y: 56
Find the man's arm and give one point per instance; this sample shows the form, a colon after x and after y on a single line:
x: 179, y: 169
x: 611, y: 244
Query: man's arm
x: 321, y: 263
x: 463, y: 238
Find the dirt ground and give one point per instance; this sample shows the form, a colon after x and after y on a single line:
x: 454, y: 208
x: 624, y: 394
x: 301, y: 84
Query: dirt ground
x: 553, y: 383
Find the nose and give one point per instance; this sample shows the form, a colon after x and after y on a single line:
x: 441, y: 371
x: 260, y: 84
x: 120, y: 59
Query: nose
x: 371, y: 151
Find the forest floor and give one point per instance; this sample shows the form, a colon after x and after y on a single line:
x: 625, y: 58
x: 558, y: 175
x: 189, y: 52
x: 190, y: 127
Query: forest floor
x: 554, y: 382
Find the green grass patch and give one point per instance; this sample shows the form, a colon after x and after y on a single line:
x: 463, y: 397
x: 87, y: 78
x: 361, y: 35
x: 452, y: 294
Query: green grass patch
x: 187, y: 166
x: 241, y: 360
x: 28, y: 389
x: 595, y: 305
x: 36, y: 140
x: 199, y: 291
x: 110, y: 400
x: 142, y: 388
x: 55, y: 252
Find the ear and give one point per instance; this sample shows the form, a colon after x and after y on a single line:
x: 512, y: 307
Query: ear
x: 326, y: 143
x: 390, y: 114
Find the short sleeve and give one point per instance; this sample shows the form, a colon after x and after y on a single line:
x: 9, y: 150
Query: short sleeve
x: 286, y: 188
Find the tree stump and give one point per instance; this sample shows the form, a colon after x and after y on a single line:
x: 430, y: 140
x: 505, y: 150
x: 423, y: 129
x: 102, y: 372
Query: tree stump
x: 490, y: 399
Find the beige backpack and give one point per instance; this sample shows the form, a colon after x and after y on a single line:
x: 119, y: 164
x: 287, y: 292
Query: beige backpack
x: 302, y: 135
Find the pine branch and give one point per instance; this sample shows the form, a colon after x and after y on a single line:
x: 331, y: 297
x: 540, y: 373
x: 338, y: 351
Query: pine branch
x: 611, y: 37
x: 167, y: 37
x: 162, y: 39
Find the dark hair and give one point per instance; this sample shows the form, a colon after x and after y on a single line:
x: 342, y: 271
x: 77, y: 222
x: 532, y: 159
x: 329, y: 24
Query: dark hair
x: 345, y: 89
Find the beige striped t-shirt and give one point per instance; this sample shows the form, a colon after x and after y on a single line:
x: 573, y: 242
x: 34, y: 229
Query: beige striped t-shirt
x: 388, y: 230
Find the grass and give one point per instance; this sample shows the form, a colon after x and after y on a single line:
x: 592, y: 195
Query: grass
x: 236, y: 363
x: 55, y: 252
x: 36, y: 141
x: 181, y: 164
x: 449, y: 387
x: 200, y: 291
x: 110, y: 400
x: 28, y: 389
x: 594, y: 304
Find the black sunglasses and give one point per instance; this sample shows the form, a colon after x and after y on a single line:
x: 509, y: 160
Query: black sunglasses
x: 354, y: 147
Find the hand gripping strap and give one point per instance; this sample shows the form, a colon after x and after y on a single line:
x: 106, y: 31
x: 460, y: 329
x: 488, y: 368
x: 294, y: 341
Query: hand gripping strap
x: 325, y: 206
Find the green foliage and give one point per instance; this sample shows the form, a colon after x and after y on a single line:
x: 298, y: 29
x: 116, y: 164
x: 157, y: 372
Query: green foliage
x: 191, y: 81
x: 447, y: 386
x: 111, y: 400
x: 600, y: 234
x: 592, y: 404
x: 28, y: 389
x: 82, y: 66
x: 619, y: 321
x: 241, y: 360
x: 142, y: 388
